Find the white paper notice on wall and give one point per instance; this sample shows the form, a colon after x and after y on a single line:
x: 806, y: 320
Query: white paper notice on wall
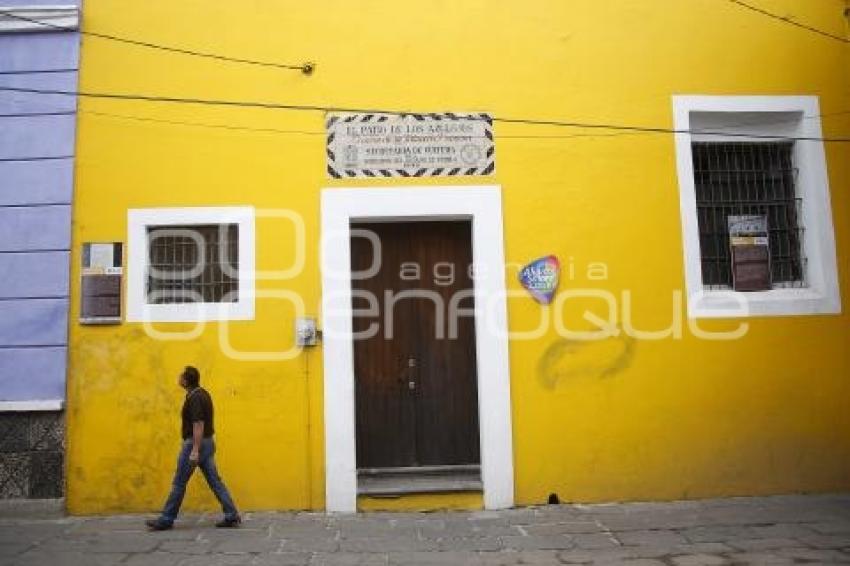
x: 409, y: 145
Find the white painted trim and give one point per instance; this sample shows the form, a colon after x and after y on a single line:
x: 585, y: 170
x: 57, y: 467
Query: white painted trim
x: 481, y: 204
x: 65, y: 16
x: 783, y: 116
x: 27, y: 406
x: 138, y: 220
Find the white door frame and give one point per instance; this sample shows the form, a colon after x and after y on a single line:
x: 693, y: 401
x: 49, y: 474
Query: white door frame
x: 483, y: 206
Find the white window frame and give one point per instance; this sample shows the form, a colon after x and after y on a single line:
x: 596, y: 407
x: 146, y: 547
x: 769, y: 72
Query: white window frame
x: 783, y: 116
x: 138, y: 222
x: 482, y: 205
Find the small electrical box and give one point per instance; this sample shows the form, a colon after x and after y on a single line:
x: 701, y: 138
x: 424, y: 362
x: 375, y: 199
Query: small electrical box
x: 305, y: 332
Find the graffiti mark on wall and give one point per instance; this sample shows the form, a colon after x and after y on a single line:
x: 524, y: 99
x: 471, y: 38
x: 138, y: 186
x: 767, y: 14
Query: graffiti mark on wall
x: 567, y: 359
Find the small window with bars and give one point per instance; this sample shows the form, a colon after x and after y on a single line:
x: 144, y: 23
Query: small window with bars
x: 748, y: 178
x: 193, y: 264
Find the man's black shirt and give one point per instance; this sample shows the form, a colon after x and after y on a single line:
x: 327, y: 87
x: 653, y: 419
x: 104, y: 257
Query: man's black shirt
x: 198, y: 406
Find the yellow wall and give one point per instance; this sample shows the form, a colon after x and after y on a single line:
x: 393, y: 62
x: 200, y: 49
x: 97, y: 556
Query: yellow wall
x: 667, y: 419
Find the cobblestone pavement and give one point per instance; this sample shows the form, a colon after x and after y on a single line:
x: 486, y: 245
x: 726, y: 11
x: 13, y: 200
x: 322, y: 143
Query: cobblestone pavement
x: 768, y: 530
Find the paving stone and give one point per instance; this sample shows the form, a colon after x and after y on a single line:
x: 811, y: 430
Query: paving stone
x: 124, y: 543
x: 311, y: 544
x: 760, y: 558
x: 783, y: 530
x: 630, y: 562
x: 8, y: 549
x: 831, y: 527
x: 522, y: 516
x: 812, y: 530
x: 569, y: 527
x: 494, y: 531
x: 248, y: 544
x: 61, y: 544
x: 193, y: 546
x: 488, y: 515
x: 634, y: 562
x: 154, y: 559
x: 538, y: 542
x: 827, y: 556
x: 585, y: 556
x: 651, y: 538
x: 349, y: 559
x: 69, y: 558
x: 434, y: 558
x: 714, y: 533
x: 826, y: 541
x: 376, y: 529
x: 283, y: 559
x: 217, y: 560
x: 763, y: 543
x: 499, y: 559
x: 466, y: 544
x: 594, y: 541
x: 619, y: 554
x: 15, y: 533
x: 702, y: 548
x: 388, y: 544
x: 539, y: 557
x: 525, y: 557
x: 699, y: 560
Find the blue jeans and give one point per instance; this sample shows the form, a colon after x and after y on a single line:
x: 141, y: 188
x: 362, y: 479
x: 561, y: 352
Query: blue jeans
x: 206, y: 461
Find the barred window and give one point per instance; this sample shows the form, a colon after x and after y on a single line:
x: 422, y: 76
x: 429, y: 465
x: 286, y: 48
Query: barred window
x: 193, y: 264
x: 748, y: 178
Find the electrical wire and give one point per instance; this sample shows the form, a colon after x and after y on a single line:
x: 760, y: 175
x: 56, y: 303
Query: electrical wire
x: 318, y: 108
x: 306, y: 68
x: 200, y: 124
x: 788, y: 20
x: 504, y: 136
x: 301, y: 132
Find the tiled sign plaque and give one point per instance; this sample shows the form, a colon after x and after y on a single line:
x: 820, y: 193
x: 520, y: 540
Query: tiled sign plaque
x: 409, y: 145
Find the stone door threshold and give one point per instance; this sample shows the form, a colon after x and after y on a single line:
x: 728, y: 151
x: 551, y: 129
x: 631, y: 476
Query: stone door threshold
x: 395, y: 482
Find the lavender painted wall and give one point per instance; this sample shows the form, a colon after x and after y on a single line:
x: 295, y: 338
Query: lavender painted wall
x: 36, y: 182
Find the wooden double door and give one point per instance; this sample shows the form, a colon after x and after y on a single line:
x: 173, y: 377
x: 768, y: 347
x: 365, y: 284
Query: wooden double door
x: 414, y: 344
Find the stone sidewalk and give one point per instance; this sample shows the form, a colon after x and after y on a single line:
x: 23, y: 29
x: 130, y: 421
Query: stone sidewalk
x: 769, y: 530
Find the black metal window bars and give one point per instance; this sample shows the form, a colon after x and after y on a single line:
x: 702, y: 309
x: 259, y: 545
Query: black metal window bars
x: 178, y: 273
x: 748, y: 178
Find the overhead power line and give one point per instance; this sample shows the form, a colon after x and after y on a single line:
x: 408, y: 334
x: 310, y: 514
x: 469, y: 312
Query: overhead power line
x: 343, y: 109
x: 300, y: 132
x: 788, y: 20
x: 201, y: 124
x: 306, y: 68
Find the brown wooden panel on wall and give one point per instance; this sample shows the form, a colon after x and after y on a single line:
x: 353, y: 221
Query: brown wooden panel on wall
x: 751, y: 267
x: 100, y: 297
x: 416, y: 381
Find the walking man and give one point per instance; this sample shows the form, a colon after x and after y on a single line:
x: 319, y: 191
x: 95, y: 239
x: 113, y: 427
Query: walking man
x: 198, y: 450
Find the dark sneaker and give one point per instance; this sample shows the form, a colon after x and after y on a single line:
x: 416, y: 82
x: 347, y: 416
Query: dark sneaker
x: 157, y: 525
x: 229, y: 523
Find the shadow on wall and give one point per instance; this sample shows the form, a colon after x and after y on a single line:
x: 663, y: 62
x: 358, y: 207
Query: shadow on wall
x: 568, y: 359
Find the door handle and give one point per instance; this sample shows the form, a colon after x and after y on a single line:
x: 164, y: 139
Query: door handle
x: 410, y: 370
